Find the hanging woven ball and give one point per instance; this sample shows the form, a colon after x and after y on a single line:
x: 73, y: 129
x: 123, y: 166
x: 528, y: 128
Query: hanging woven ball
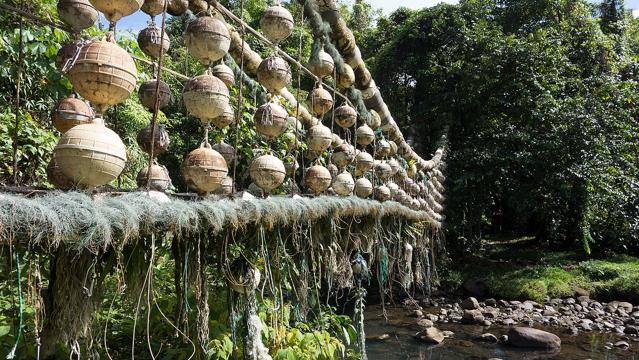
x: 104, y: 74
x: 383, y: 171
x: 365, y: 135
x: 227, y: 151
x: 400, y: 196
x: 90, y: 154
x: 320, y: 100
x: 177, y: 7
x: 319, y: 138
x: 393, y: 187
x: 276, y: 23
x: 393, y: 148
x: 363, y: 188
x: 345, y: 76
x: 343, y: 155
x: 382, y: 149
x: 337, y: 141
x: 153, y: 7
x: 78, y: 14
x: 343, y: 184
x: 57, y: 178
x: 151, y: 41
x: 161, y: 136
x: 206, y: 97
x: 225, y: 119
x: 394, y: 164
x: 114, y: 10
x: 146, y: 94
x: 382, y: 193
x: 333, y: 170
x: 345, y: 116
x: 374, y: 121
x: 204, y: 169
x: 267, y: 172
x: 322, y: 65
x: 207, y: 39
x: 271, y: 119
x: 274, y: 73
x: 226, y: 188
x: 158, y: 178
x: 414, y: 189
x: 363, y: 161
x: 198, y: 6
x: 317, y: 179
x: 70, y: 112
x: 224, y: 73
x: 291, y: 165
x: 406, y: 183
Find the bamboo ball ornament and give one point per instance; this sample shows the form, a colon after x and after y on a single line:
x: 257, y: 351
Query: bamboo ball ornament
x: 70, y: 112
x: 274, y: 73
x: 207, y: 39
x: 363, y: 188
x: 414, y: 189
x: 159, y: 138
x: 276, y: 23
x: 345, y: 116
x: 374, y: 121
x: 317, y: 179
x: 204, y: 169
x: 90, y: 154
x: 223, y: 120
x: 271, y: 119
x: 226, y: 188
x: 343, y: 184
x: 224, y: 73
x: 319, y: 138
x: 153, y: 7
x: 146, y: 94
x: 322, y: 65
x: 343, y: 155
x: 158, y: 178
x: 152, y: 43
x: 383, y: 171
x: 382, y: 193
x: 337, y: 141
x: 78, y: 14
x: 267, y: 172
x: 57, y: 178
x: 393, y: 187
x: 365, y: 135
x: 321, y: 100
x: 406, y: 183
x: 394, y: 164
x: 363, y: 161
x: 206, y: 97
x: 333, y: 170
x: 291, y: 165
x: 198, y: 6
x: 227, y: 151
x: 345, y: 76
x: 177, y: 7
x: 400, y: 196
x: 382, y: 148
x: 114, y: 10
x: 104, y: 74
x: 393, y: 148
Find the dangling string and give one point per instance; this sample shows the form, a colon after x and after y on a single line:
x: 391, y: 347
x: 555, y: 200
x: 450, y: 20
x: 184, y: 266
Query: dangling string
x: 240, y: 99
x: 12, y: 353
x: 17, y: 104
x: 297, y: 108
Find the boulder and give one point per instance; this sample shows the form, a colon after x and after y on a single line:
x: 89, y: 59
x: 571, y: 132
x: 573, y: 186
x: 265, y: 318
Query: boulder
x: 424, y: 323
x: 470, y: 304
x: 533, y: 338
x: 430, y: 335
x: 472, y: 317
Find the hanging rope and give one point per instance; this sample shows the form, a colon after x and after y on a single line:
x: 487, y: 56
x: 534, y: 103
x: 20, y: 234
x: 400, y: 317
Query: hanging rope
x: 240, y: 99
x: 12, y: 353
x: 17, y: 104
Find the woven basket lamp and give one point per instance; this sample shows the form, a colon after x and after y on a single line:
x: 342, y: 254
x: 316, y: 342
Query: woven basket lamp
x: 153, y: 7
x: 332, y: 168
x: 224, y: 73
x: 161, y: 142
x: 204, y: 169
x: 343, y: 155
x: 363, y: 161
x: 70, y: 112
x: 227, y: 151
x: 207, y: 39
x: 90, y: 154
x: 177, y: 7
x: 146, y: 94
x: 223, y: 120
x: 274, y: 73
x: 158, y: 178
x: 320, y: 100
x: 345, y: 116
x: 322, y: 65
x: 382, y: 149
x: 382, y: 193
x: 317, y: 179
x: 277, y: 23
x: 79, y: 14
x: 206, y: 97
x: 374, y: 121
x: 104, y: 74
x: 365, y: 135
x: 383, y: 171
x: 319, y: 138
x: 345, y: 76
x: 267, y: 172
x: 151, y: 41
x: 271, y: 119
x: 343, y: 184
x: 114, y: 10
x: 363, y: 188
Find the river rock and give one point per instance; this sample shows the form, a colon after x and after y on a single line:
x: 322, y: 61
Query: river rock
x: 431, y: 335
x: 488, y: 337
x: 424, y: 323
x: 491, y: 302
x: 631, y: 330
x: 622, y: 344
x: 472, y: 317
x: 470, y: 304
x: 533, y: 338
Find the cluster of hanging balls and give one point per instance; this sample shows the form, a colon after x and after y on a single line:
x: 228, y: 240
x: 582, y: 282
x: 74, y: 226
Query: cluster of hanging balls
x: 89, y: 154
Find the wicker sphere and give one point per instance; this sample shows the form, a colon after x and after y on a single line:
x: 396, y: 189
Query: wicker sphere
x: 343, y: 184
x: 57, y: 178
x: 223, y: 120
x: 226, y: 188
x: 374, y: 121
x: 147, y: 91
x: 104, y: 74
x: 90, y: 154
x: 198, y: 6
x: 345, y: 116
x: 363, y: 161
x: 204, y: 169
x: 320, y: 100
x: 322, y: 65
x: 406, y: 183
x: 345, y: 76
x: 383, y: 171
x: 114, y: 10
x: 271, y: 119
x: 394, y: 164
x: 267, y: 172
x: 291, y: 165
x: 159, y: 137
x: 70, y: 112
x: 393, y: 148
x: 319, y: 138
x: 363, y: 187
x: 365, y: 135
x: 78, y: 14
x: 382, y: 193
x: 414, y: 189
x: 343, y: 155
x: 153, y: 7
x: 400, y: 196
x: 224, y: 73
x: 317, y: 179
x: 227, y: 151
x: 205, y: 96
x: 276, y: 23
x: 393, y: 187
x: 274, y: 73
x: 333, y: 170
x: 158, y: 178
x: 207, y: 39
x: 177, y: 7
x: 336, y: 141
x: 151, y: 41
x: 382, y: 148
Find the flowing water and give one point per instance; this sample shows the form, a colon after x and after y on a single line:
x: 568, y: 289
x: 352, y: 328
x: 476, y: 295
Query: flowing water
x: 401, y: 344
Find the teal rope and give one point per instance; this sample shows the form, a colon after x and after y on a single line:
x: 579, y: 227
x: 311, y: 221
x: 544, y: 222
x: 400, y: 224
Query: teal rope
x: 12, y: 354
